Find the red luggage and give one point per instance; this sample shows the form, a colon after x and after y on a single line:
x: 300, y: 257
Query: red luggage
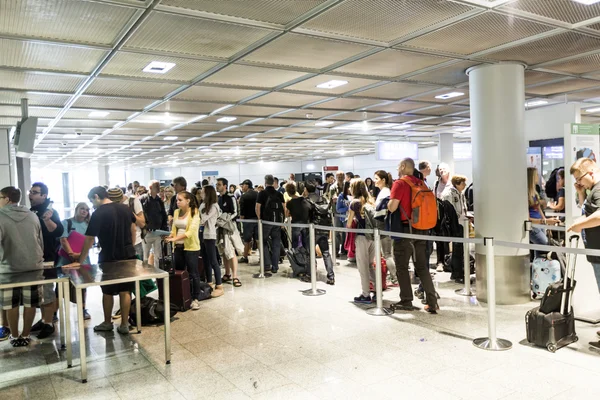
x: 179, y: 284
x: 383, y: 277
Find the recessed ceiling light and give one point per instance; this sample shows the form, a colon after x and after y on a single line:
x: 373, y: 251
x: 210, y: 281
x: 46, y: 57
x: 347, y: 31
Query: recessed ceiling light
x: 136, y: 149
x: 226, y: 119
x: 323, y: 123
x: 206, y: 149
x: 70, y: 136
x: 536, y: 103
x: 170, y: 138
x: 252, y: 139
x: 98, y: 114
x: 449, y: 95
x: 157, y: 67
x: 593, y: 110
x: 427, y: 142
x: 332, y: 84
x: 587, y: 2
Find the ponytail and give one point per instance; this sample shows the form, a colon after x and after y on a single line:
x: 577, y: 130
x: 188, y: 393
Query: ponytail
x: 390, y: 181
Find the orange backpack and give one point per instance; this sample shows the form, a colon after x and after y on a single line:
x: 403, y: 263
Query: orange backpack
x: 424, y: 206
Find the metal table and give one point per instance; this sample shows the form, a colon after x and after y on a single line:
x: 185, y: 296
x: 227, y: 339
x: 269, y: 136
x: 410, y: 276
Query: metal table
x: 112, y: 273
x: 43, y: 277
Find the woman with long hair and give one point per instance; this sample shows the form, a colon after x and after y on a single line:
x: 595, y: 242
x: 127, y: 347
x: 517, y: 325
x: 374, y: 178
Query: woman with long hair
x: 383, y: 182
x: 370, y: 186
x: 169, y: 193
x: 184, y: 236
x: 341, y: 208
x: 209, y: 212
x: 365, y: 248
x: 536, y: 214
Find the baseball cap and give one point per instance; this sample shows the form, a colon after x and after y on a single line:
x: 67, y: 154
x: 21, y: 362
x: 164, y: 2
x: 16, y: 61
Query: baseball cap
x: 247, y: 182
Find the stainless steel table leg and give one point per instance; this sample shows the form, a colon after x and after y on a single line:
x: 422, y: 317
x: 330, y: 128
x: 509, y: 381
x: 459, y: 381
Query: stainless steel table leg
x: 167, y: 300
x: 138, y: 307
x: 67, y: 312
x: 61, y: 314
x: 82, y: 355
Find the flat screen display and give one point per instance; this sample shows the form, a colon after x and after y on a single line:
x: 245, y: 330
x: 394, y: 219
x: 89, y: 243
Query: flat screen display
x: 396, y: 150
x: 462, y: 151
x: 554, y: 152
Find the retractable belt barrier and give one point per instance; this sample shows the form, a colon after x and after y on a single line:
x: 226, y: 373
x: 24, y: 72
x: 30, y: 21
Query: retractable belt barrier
x: 558, y: 228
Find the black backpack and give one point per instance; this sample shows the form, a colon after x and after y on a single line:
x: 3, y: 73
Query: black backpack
x: 550, y: 187
x: 469, y: 197
x: 273, y: 209
x: 447, y: 224
x: 320, y: 212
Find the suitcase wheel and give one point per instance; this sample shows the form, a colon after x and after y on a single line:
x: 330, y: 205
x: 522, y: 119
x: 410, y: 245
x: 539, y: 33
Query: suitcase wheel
x: 551, y: 348
x: 575, y: 339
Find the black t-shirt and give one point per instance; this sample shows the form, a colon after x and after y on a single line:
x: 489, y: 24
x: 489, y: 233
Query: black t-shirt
x: 228, y: 204
x: 111, y: 224
x: 264, y: 195
x: 50, y: 238
x: 299, y: 209
x: 248, y: 204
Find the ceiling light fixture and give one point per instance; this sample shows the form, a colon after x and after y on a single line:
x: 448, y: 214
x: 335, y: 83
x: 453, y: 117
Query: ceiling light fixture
x: 587, y: 2
x: 323, y: 123
x: 332, y: 84
x: 170, y: 138
x: 449, y: 95
x: 536, y: 103
x: 98, y: 114
x: 252, y: 139
x: 427, y: 142
x: 593, y: 110
x: 207, y: 149
x: 226, y: 119
x: 157, y: 67
x: 466, y: 129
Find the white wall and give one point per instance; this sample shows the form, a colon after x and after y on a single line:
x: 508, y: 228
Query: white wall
x: 548, y: 122
x: 6, y: 172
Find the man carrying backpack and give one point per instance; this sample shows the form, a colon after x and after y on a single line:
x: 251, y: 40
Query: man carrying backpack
x: 320, y: 215
x: 269, y: 207
x: 413, y: 210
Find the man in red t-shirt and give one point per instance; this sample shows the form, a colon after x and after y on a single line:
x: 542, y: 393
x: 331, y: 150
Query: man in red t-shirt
x: 401, y: 209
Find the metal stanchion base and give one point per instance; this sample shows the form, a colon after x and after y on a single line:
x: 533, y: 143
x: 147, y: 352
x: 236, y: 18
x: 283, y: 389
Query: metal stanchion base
x: 318, y: 292
x: 380, y: 311
x: 488, y: 344
x: 463, y: 292
x: 262, y: 276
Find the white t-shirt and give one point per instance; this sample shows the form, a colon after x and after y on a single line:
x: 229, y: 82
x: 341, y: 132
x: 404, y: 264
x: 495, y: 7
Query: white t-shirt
x: 383, y: 193
x: 181, y: 225
x: 137, y: 208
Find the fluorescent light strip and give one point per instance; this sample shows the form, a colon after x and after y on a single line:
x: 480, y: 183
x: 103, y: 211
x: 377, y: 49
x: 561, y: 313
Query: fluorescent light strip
x: 536, y: 103
x: 587, y: 2
x: 332, y: 84
x: 593, y: 110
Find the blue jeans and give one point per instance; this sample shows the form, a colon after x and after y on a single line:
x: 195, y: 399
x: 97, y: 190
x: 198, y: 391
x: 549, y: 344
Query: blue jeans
x: 538, y: 236
x: 597, y: 274
x: 210, y: 246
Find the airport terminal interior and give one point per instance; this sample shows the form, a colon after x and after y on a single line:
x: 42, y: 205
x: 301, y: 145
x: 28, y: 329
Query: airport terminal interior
x: 485, y: 103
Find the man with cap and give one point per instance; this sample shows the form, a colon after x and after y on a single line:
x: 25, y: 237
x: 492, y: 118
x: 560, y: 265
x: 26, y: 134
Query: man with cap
x: 115, y: 227
x: 248, y: 211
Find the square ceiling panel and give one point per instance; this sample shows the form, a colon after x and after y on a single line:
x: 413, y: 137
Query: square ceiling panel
x: 304, y: 51
x: 348, y: 104
x: 186, y: 35
x: 310, y: 85
x: 246, y: 75
x: 391, y: 63
x: 26, y: 80
x: 31, y: 55
x: 579, y: 66
x: 560, y: 10
x: 286, y: 99
x: 272, y: 11
x: 478, y: 33
x: 534, y: 77
x: 395, y: 91
x: 561, y: 87
x: 132, y: 64
x: 75, y: 21
x: 561, y: 45
x: 111, y: 103
x: 384, y: 20
x: 122, y: 87
x: 447, y: 76
x: 216, y: 94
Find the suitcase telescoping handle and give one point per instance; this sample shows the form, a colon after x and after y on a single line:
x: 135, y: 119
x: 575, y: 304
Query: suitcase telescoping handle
x: 569, y: 277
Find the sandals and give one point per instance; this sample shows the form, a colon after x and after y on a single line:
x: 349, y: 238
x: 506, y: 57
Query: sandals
x: 20, y: 341
x: 431, y: 310
x: 226, y: 278
x: 236, y: 282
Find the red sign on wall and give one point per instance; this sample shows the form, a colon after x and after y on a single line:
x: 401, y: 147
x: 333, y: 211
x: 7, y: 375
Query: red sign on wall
x: 330, y: 168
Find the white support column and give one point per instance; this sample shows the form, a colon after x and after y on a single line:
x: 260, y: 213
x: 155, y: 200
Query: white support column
x: 6, y: 171
x: 446, y: 149
x: 497, y: 121
x: 103, y: 176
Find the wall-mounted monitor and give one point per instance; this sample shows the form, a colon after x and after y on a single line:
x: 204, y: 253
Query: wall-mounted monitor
x: 396, y: 150
x: 554, y: 152
x: 463, y: 151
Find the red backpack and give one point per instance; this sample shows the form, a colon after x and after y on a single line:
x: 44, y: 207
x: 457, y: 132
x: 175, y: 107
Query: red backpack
x: 424, y: 205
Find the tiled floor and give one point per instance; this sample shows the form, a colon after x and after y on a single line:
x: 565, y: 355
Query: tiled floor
x: 266, y: 340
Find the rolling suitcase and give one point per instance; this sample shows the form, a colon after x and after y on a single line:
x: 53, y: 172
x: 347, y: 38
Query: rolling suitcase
x: 544, y: 272
x: 552, y: 325
x: 299, y: 260
x: 179, y: 284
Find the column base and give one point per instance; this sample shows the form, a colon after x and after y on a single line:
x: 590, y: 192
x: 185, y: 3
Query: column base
x: 513, y: 279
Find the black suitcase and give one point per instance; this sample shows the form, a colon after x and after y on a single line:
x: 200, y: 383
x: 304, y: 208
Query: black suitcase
x: 552, y: 325
x: 179, y: 282
x: 299, y: 260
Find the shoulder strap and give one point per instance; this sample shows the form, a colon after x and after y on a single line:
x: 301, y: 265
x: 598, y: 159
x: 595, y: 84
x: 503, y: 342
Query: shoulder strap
x: 69, y: 225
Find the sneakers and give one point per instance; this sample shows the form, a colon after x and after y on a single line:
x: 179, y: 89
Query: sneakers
x: 37, y: 326
x: 195, y: 305
x: 419, y: 294
x: 243, y: 260
x: 20, y: 341
x: 274, y: 270
x: 218, y: 291
x: 405, y: 306
x: 363, y: 299
x: 86, y: 315
x: 46, y: 331
x: 330, y: 281
x: 4, y: 333
x: 104, y: 327
x: 439, y: 267
x: 351, y: 260
x: 123, y: 330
